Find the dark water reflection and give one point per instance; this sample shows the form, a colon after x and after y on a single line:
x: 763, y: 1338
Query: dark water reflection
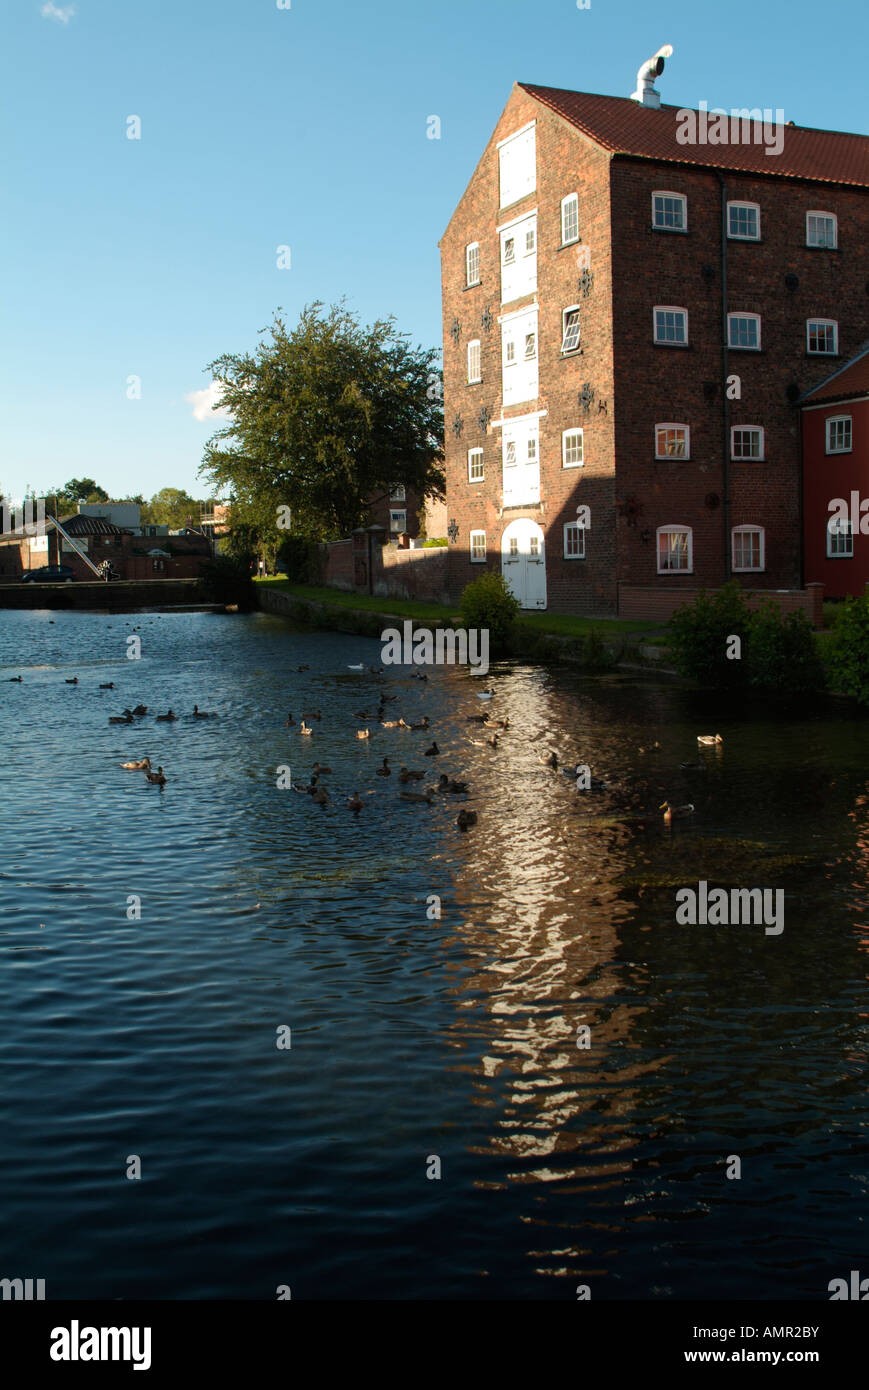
x: 411, y: 1038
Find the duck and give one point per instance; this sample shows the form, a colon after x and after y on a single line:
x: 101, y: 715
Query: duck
x: 709, y: 740
x: 496, y: 723
x: 493, y: 740
x: 314, y: 714
x: 423, y: 724
x: 447, y: 784
x: 363, y: 733
x: 359, y: 667
x: 110, y: 685
x: 74, y: 681
x: 143, y: 765
x: 125, y: 718
x: 168, y: 718
x: 651, y: 746
x: 140, y: 709
x: 420, y: 676
x: 156, y: 777
x: 387, y: 699
x: 690, y: 767
x: 303, y: 668
x: 466, y: 818
x: 385, y: 770
x: 432, y: 752
x: 485, y: 694
x: 19, y: 679
x: 672, y: 813
x: 201, y: 714
x: 321, y: 771
x: 476, y: 718
x: 320, y: 796
x: 389, y: 723
x: 355, y: 803
x: 415, y: 796
x: 551, y: 760
x: 405, y: 775
x: 290, y: 720
x: 303, y: 729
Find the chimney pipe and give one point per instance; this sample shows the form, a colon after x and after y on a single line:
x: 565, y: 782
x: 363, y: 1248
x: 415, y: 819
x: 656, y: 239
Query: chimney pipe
x: 645, y: 93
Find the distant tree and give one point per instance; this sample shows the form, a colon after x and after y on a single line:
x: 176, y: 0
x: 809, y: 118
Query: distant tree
x: 85, y: 490
x: 324, y: 420
x: 172, y: 507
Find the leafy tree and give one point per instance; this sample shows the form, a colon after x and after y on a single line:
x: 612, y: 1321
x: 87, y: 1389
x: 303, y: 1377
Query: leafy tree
x: 85, y: 490
x: 325, y: 419
x: 172, y: 507
x: 848, y: 653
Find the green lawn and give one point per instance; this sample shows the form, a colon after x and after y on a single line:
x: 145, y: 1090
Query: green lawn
x: 552, y: 623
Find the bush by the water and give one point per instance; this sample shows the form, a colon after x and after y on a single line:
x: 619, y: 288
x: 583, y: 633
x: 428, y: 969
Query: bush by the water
x: 776, y: 652
x: 489, y: 603
x: 848, y: 654
x: 227, y: 580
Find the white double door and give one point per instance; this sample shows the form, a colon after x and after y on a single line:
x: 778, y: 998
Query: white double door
x: 521, y: 461
x: 523, y: 562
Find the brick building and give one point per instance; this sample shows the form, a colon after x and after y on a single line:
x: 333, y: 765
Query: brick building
x: 132, y: 556
x: 629, y: 321
x: 835, y: 418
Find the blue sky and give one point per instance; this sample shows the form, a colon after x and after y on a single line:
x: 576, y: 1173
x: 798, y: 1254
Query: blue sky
x: 305, y: 127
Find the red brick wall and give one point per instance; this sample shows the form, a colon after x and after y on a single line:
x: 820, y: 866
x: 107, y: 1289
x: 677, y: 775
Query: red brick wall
x: 657, y: 605
x: 825, y: 478
x: 338, y: 568
x: 412, y: 574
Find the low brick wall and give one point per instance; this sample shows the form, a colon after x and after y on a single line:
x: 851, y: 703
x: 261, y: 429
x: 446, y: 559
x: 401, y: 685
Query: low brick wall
x: 119, y: 596
x: 640, y: 603
x: 414, y: 574
x: 337, y: 569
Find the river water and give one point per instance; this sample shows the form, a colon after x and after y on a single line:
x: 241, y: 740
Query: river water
x: 154, y: 942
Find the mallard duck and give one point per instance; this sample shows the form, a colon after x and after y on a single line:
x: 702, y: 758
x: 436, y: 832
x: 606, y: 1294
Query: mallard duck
x: 143, y: 765
x: 74, y: 681
x: 405, y: 775
x: 355, y: 803
x: 156, y: 777
x: 493, y: 741
x: 140, y: 709
x: 321, y: 771
x: 415, y: 796
x: 709, y: 740
x: 363, y: 733
x: 551, y: 760
x: 432, y: 752
x: 18, y: 679
x: 466, y: 818
x: 110, y: 685
x: 290, y: 720
x: 303, y: 729
x: 303, y: 668
x: 389, y: 723
x: 314, y: 714
x: 125, y: 718
x: 672, y: 813
x: 359, y: 667
x: 385, y: 770
x: 320, y: 795
x: 496, y: 723
x: 167, y: 718
x: 423, y: 724
x: 200, y: 713
x: 447, y: 784
x: 476, y: 718
x: 485, y: 694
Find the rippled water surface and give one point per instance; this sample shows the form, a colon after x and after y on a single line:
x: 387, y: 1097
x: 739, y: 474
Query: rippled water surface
x: 414, y: 1038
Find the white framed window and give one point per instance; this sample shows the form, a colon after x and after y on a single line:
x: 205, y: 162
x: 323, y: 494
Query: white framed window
x: 822, y: 337
x: 530, y: 240
x: 574, y: 541
x: 669, y: 211
x: 746, y: 442
x: 840, y: 540
x: 398, y: 494
x: 517, y: 165
x: 478, y: 547
x: 743, y: 221
x: 533, y: 546
x: 508, y: 250
x: 822, y: 229
x: 570, y: 329
x: 474, y: 370
x: 572, y: 449
x: 397, y: 521
x: 671, y: 324
x: 530, y: 346
x: 743, y: 332
x: 672, y: 441
x: 570, y: 219
x: 475, y: 465
x: 510, y: 453
x: 675, y: 549
x: 514, y: 546
x: 839, y: 434
x: 519, y: 258
x: 472, y: 263
x: 510, y: 351
x: 747, y: 545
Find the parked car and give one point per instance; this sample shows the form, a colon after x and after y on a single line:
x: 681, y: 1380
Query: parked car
x: 49, y: 574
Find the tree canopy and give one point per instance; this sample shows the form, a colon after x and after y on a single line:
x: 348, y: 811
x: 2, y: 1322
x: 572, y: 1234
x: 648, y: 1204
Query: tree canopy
x: 325, y: 419
x: 172, y: 507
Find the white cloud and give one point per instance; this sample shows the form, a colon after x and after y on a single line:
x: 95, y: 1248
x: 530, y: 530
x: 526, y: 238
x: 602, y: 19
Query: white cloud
x: 206, y: 403
x: 62, y: 13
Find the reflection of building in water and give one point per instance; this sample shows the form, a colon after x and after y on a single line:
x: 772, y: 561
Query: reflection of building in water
x: 543, y: 906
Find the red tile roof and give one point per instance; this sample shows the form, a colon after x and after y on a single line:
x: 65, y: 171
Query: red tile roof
x: 623, y: 126
x: 850, y: 380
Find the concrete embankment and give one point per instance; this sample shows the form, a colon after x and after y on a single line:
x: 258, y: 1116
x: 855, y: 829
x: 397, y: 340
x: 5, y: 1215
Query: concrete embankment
x: 122, y: 595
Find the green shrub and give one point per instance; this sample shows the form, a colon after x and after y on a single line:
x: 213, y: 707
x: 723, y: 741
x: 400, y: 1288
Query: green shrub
x: 595, y: 652
x: 300, y: 559
x: 227, y: 580
x: 848, y: 650
x: 489, y: 603
x: 781, y: 652
x: 427, y: 544
x: 698, y: 635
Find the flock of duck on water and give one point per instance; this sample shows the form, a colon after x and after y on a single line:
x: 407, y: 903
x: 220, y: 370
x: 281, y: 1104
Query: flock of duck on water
x: 406, y: 776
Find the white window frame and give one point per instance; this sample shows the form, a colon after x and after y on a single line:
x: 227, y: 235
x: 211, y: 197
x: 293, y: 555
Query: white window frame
x: 828, y: 432
x: 396, y: 526
x: 674, y: 425
x: 741, y: 531
x: 570, y: 434
x: 398, y: 493
x: 735, y: 204
x: 668, y: 193
x: 472, y: 459
x: 669, y: 309
x: 532, y: 339
x: 669, y: 529
x: 574, y: 528
x: 840, y: 528
x: 572, y: 198
x: 748, y: 318
x: 828, y: 323
x: 568, y: 351
x: 831, y: 217
x: 522, y: 134
x: 475, y: 380
x: 508, y: 241
x: 475, y: 536
x: 747, y: 458
x: 472, y: 246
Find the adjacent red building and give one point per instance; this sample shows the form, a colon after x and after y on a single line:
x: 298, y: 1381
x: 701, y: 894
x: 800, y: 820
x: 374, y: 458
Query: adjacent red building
x: 835, y: 419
